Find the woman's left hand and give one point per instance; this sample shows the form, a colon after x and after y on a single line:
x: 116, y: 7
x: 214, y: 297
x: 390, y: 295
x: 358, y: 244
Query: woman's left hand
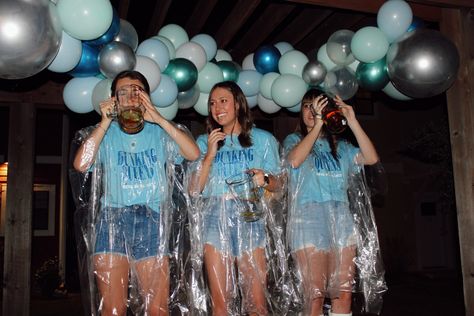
x: 149, y: 110
x: 346, y: 109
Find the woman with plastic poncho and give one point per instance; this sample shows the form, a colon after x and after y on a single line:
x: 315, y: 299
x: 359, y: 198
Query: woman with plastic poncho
x: 239, y: 162
x: 132, y: 169
x: 324, y: 220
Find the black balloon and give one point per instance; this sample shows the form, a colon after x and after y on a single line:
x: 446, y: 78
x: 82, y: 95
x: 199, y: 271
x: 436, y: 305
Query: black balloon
x: 423, y: 63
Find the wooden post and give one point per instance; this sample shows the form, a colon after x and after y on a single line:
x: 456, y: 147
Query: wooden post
x: 18, y: 226
x: 458, y: 25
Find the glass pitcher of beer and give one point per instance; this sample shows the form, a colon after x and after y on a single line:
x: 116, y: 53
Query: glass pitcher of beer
x: 248, y: 196
x: 128, y: 109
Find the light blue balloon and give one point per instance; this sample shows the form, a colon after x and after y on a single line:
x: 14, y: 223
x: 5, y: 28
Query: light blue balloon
x: 284, y: 47
x: 323, y: 57
x: 201, y: 104
x: 252, y: 101
x: 249, y: 82
x: 170, y: 111
x: 222, y: 55
x: 68, y: 56
x: 209, y: 76
x: 266, y: 84
x: 292, y: 62
x: 394, y: 18
x: 77, y: 94
x: 288, y: 90
x: 175, y: 33
x: 208, y: 43
x: 369, y: 44
x: 166, y: 92
x: 392, y: 92
x: 85, y: 19
x: 267, y: 105
x: 100, y: 93
x: 169, y: 45
x: 295, y: 109
x: 156, y: 50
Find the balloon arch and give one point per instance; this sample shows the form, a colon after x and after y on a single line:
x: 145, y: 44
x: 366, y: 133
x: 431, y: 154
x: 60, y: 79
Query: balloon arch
x: 89, y: 41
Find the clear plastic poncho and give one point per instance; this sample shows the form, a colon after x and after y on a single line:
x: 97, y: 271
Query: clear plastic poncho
x: 331, y: 230
x: 238, y: 254
x: 129, y: 221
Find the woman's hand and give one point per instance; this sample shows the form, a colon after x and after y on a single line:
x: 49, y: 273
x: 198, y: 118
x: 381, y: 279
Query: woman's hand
x: 319, y: 103
x: 258, y: 177
x: 346, y: 109
x: 214, y: 136
x: 150, y: 113
x: 108, y: 110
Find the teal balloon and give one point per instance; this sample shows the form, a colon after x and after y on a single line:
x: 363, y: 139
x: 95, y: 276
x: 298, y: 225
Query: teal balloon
x: 230, y: 70
x: 372, y: 76
x: 183, y: 72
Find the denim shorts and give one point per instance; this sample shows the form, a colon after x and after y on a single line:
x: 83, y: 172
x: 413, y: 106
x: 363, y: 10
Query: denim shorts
x: 325, y: 226
x: 132, y: 231
x: 226, y: 229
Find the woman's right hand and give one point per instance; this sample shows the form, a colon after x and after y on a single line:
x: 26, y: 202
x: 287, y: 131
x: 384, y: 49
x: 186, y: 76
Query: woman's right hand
x: 214, y: 136
x: 107, y: 109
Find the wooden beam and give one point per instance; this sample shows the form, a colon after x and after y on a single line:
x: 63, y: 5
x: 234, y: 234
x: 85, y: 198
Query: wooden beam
x: 18, y: 226
x: 425, y: 12
x: 158, y: 17
x: 273, y: 15
x: 301, y: 26
x: 459, y: 27
x: 199, y: 16
x: 234, y: 21
x: 446, y: 3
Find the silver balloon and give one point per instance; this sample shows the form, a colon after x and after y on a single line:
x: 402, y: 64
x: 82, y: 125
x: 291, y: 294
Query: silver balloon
x: 423, y: 63
x: 314, y: 72
x: 127, y: 34
x: 341, y: 81
x: 116, y: 57
x: 30, y: 37
x: 187, y: 99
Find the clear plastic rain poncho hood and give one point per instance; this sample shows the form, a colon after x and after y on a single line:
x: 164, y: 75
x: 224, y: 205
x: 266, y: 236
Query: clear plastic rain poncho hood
x: 238, y: 253
x: 331, y: 230
x: 129, y: 206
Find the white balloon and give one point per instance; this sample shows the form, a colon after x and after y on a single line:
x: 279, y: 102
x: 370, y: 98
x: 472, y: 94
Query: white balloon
x: 266, y: 84
x: 267, y: 105
x: 208, y: 43
x: 251, y: 101
x: 247, y: 63
x: 222, y: 55
x: 175, y: 33
x: 150, y: 69
x: 68, y: 56
x: 284, y: 47
x: 100, y: 93
x: 193, y: 52
x: 324, y: 58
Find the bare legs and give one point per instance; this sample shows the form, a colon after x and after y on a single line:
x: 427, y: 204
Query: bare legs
x: 320, y: 268
x: 252, y: 271
x: 112, y: 275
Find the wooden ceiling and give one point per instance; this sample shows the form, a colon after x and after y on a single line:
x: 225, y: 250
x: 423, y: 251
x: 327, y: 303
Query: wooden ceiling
x: 241, y: 26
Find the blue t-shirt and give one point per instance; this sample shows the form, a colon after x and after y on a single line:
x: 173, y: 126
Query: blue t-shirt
x: 134, y: 166
x: 320, y: 177
x: 233, y: 159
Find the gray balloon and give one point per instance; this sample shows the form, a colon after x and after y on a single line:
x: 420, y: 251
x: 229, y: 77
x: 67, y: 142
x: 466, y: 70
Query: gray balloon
x: 116, y: 57
x: 187, y: 99
x: 341, y: 81
x: 127, y: 34
x: 314, y: 72
x: 30, y: 37
x: 423, y: 63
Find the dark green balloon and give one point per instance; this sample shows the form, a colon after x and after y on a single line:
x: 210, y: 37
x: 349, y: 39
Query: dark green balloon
x: 372, y: 76
x: 183, y: 72
x: 230, y: 70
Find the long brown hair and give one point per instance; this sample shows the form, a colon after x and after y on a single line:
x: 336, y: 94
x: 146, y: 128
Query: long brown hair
x: 244, y: 116
x: 309, y: 97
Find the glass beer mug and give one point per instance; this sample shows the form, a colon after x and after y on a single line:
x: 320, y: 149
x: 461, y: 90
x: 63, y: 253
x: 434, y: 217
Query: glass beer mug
x: 248, y: 196
x: 128, y: 109
x: 332, y: 117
